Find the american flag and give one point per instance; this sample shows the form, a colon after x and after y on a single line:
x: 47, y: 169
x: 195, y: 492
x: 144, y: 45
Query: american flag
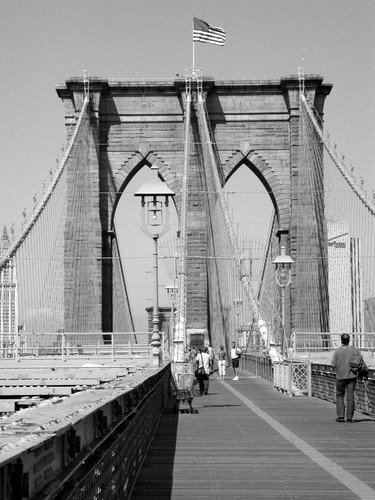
x: 204, y: 32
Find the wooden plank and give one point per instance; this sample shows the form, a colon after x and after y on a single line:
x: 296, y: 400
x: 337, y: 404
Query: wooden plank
x: 228, y: 451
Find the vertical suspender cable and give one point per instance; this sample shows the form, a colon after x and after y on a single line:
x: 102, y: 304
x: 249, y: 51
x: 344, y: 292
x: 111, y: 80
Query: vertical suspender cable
x: 258, y: 315
x: 357, y: 211
x: 180, y: 334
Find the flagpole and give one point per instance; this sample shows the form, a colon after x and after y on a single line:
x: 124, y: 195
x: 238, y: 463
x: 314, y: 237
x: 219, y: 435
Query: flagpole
x: 193, y: 45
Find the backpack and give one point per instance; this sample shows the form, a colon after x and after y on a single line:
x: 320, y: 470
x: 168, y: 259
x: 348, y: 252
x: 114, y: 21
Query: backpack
x: 238, y: 352
x: 358, y: 365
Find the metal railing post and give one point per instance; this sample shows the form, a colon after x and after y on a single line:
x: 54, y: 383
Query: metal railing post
x: 18, y: 346
x: 112, y: 347
x: 63, y: 347
x: 290, y: 371
x: 309, y: 387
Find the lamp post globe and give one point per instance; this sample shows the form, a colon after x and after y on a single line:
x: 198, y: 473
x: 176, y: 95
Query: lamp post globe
x: 155, y: 196
x: 283, y: 277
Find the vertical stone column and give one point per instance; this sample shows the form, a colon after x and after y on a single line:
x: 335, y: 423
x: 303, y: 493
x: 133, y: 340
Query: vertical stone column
x: 197, y: 314
x: 307, y: 237
x: 82, y: 233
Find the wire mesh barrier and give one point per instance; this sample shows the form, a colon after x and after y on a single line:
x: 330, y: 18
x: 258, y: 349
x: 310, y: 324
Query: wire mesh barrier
x: 107, y: 345
x: 323, y: 385
x: 260, y: 365
x: 293, y: 378
x: 308, y: 379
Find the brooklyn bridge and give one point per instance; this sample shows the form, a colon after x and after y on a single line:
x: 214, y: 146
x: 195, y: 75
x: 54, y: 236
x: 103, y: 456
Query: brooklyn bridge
x: 95, y: 407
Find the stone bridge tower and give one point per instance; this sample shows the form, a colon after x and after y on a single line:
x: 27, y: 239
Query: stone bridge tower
x: 254, y: 122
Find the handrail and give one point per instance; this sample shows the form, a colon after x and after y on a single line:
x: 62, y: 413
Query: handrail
x: 328, y: 341
x: 84, y: 344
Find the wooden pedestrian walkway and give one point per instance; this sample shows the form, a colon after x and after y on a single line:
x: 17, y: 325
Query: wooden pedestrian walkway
x: 248, y: 441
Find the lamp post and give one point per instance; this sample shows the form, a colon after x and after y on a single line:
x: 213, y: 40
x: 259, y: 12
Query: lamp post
x: 155, y: 223
x: 238, y: 303
x: 171, y: 292
x: 283, y: 275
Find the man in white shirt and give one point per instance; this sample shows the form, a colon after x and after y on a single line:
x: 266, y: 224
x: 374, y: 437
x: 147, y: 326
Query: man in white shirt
x: 235, y: 353
x: 203, y: 365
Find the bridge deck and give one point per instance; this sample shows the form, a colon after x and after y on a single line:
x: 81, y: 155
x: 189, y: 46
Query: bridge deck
x: 248, y: 441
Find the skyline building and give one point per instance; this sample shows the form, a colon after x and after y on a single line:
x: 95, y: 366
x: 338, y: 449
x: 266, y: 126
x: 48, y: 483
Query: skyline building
x: 346, y: 310
x: 369, y: 314
x: 339, y: 279
x: 8, y: 292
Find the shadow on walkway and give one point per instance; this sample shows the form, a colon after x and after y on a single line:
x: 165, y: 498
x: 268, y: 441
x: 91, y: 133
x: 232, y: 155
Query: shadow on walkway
x: 246, y: 441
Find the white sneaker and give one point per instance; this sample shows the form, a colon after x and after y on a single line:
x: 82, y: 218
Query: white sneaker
x: 236, y: 378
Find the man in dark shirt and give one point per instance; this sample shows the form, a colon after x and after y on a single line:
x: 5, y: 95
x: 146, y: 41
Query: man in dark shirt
x: 345, y: 379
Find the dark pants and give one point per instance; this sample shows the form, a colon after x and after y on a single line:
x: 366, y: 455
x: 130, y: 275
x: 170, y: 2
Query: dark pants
x: 345, y: 385
x: 204, y: 382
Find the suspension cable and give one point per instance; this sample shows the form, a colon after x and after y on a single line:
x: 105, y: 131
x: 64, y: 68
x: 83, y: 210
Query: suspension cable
x: 258, y: 314
x: 180, y: 334
x: 47, y: 194
x: 338, y: 164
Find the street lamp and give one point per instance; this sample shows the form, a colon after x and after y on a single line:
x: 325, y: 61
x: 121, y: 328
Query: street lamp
x: 171, y: 292
x: 238, y: 303
x: 283, y: 275
x: 155, y: 223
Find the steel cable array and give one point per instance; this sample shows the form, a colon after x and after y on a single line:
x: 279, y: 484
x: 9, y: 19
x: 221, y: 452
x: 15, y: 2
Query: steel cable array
x: 36, y: 250
x: 180, y: 321
x: 234, y: 253
x: 350, y: 219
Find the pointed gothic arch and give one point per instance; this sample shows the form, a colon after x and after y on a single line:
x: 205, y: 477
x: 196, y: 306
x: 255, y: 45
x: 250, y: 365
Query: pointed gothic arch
x: 132, y: 165
x: 267, y: 176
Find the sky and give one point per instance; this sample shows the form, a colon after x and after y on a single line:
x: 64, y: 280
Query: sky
x: 45, y: 42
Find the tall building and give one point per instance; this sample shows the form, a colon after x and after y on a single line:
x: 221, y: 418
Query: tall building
x: 369, y: 314
x: 346, y: 307
x: 8, y: 293
x: 357, y: 285
x: 339, y: 279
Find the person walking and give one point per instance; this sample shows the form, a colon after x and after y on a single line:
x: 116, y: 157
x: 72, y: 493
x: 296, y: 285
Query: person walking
x: 235, y: 354
x: 345, y: 379
x: 192, y: 354
x: 221, y: 361
x: 203, y: 370
x: 211, y: 353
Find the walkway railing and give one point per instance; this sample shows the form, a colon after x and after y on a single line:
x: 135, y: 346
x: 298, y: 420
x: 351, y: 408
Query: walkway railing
x: 296, y: 378
x: 323, y: 341
x: 258, y: 364
x: 93, y: 446
x: 323, y: 385
x: 110, y: 345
